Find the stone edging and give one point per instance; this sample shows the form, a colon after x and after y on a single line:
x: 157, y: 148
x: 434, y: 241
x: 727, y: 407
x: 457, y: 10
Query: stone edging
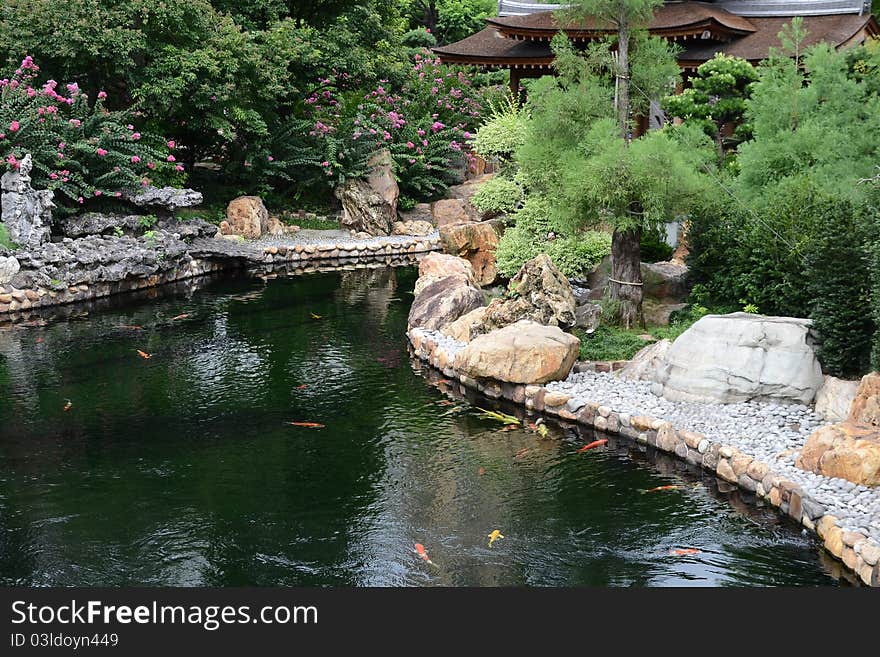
x: 310, y: 256
x: 859, y: 553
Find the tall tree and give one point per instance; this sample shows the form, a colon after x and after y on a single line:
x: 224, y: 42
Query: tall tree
x: 625, y: 17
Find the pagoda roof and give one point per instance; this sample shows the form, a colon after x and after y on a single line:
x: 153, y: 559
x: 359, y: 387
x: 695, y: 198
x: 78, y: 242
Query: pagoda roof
x: 489, y: 48
x: 673, y: 19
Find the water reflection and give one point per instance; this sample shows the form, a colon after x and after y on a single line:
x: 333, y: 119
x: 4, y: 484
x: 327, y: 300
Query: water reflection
x: 184, y: 469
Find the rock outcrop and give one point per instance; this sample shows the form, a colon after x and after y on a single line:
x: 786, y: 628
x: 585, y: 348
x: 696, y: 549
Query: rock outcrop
x: 524, y: 352
x: 416, y: 228
x: 865, y: 408
x: 847, y: 450
x: 166, y: 198
x: 435, y: 266
x: 453, y: 211
x: 26, y: 212
x: 460, y: 329
x: 364, y: 210
x: 741, y: 357
x: 247, y: 216
x: 442, y: 302
x: 476, y: 242
x: 644, y: 365
x: 539, y: 292
x: 9, y: 267
x: 834, y: 399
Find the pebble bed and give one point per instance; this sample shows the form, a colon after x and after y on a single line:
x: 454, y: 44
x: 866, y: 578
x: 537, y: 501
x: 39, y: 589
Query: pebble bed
x: 772, y: 433
x: 311, y: 236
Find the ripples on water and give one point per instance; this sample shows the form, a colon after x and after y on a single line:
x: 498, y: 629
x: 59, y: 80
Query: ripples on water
x: 183, y: 470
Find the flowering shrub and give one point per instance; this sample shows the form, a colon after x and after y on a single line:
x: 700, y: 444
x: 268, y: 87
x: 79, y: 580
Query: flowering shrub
x: 82, y: 151
x: 424, y: 123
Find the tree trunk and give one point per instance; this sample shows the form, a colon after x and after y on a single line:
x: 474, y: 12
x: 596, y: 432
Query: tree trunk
x: 626, y: 258
x: 623, y: 78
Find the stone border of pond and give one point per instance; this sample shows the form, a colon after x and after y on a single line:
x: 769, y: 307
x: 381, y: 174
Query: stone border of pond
x: 858, y: 552
x: 298, y: 258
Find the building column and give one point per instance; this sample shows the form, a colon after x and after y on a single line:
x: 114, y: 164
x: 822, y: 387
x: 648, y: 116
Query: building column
x: 515, y: 90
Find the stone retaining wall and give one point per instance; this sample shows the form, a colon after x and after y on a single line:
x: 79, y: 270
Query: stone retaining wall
x: 296, y: 259
x: 859, y: 553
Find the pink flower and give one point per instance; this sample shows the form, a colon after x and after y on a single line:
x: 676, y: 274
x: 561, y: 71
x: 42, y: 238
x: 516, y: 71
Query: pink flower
x: 75, y: 123
x: 171, y: 158
x: 172, y: 144
x: 73, y: 88
x: 409, y: 144
x: 325, y: 164
x: 135, y: 159
x: 135, y: 135
x: 145, y: 182
x: 179, y: 167
x: 102, y: 95
x: 270, y: 158
x: 437, y: 126
x: 61, y: 146
x: 151, y: 165
x: 60, y: 156
x: 130, y: 126
x: 101, y: 152
x: 118, y: 194
x: 97, y: 192
x: 11, y: 160
x: 80, y: 199
x: 2, y: 135
x: 53, y: 176
x: 14, y: 126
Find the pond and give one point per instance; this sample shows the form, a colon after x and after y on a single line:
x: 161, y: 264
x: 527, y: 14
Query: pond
x: 183, y: 469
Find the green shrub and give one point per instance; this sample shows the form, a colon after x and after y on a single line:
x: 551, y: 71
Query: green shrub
x: 498, y: 195
x: 503, y: 131
x: 5, y: 242
x: 419, y: 38
x: 572, y: 254
x: 609, y: 343
x: 837, y: 276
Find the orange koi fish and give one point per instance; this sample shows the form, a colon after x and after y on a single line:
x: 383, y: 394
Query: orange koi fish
x: 521, y: 453
x: 494, y: 536
x: 144, y: 354
x: 481, y: 471
x: 595, y: 443
x: 508, y: 427
x: 420, y: 550
x: 660, y: 488
x: 67, y: 406
x: 302, y: 387
x: 445, y: 381
x: 38, y: 340
x: 308, y: 425
x: 680, y: 552
x: 183, y: 316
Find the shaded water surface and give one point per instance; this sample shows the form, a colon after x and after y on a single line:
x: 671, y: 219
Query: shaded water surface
x: 183, y: 469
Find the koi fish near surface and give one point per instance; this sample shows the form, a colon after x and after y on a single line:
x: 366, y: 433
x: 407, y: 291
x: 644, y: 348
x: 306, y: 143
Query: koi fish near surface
x: 521, y: 453
x: 39, y: 341
x: 308, y: 425
x: 314, y: 316
x: 481, y: 471
x: 595, y: 443
x: 144, y: 354
x: 494, y: 536
x: 680, y: 552
x: 183, y: 316
x: 67, y: 406
x: 661, y: 488
x: 302, y: 387
x: 420, y: 550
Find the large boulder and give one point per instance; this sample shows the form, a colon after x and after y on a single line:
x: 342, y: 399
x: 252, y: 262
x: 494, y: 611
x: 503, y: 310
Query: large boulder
x: 835, y: 397
x: 741, y: 357
x: 524, y: 352
x: 96, y: 223
x: 644, y: 365
x: 865, y: 408
x: 664, y: 282
x: 382, y: 181
x: 247, y: 216
x: 539, y: 292
x: 847, y: 450
x: 453, y: 211
x: 443, y: 301
x: 364, y: 210
x: 435, y: 266
x: 420, y: 212
x: 477, y: 243
x: 460, y: 329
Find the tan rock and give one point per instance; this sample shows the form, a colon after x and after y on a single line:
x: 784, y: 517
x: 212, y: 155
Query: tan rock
x: 460, y: 329
x: 834, y: 541
x: 275, y: 227
x: 442, y: 302
x: 381, y: 178
x: 724, y: 470
x: 666, y: 438
x: 225, y: 228
x: 847, y: 450
x: 435, y: 266
x: 865, y: 408
x: 417, y: 228
x: 644, y: 364
x: 555, y: 399
x: 452, y: 211
x: 824, y: 525
x: 834, y: 399
x: 524, y: 352
x: 757, y: 470
x: 248, y: 216
x: 477, y: 243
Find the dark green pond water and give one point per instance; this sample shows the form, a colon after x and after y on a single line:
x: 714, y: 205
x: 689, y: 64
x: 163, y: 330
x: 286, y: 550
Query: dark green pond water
x: 183, y: 469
